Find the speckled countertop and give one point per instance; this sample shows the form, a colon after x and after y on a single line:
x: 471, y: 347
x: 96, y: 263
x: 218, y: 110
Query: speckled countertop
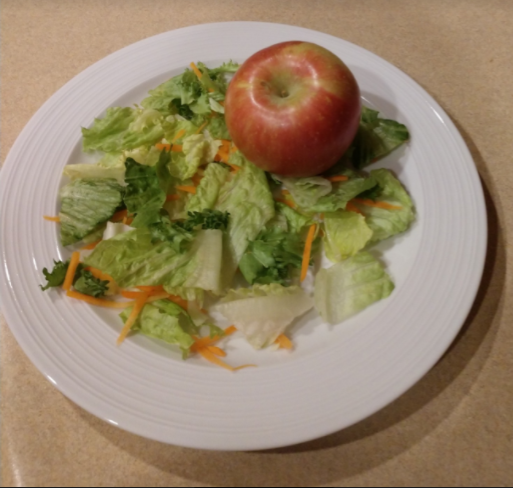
x: 455, y: 427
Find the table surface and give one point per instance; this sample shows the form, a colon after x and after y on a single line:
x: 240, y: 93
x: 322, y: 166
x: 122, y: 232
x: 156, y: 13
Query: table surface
x: 453, y: 428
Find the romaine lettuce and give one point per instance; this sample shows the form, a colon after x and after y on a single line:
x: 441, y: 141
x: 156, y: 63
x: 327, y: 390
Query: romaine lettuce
x: 247, y: 198
x: 346, y: 233
x: 124, y: 128
x: 264, y: 312
x: 384, y: 222
x: 166, y: 321
x: 85, y: 203
x: 350, y: 286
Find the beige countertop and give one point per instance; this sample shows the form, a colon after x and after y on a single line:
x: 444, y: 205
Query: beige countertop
x: 453, y: 428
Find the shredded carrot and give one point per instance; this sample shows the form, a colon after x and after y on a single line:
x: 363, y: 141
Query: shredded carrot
x: 201, y: 127
x: 209, y: 356
x: 52, y: 219
x: 371, y: 203
x: 152, y: 290
x: 286, y: 202
x: 91, y: 246
x: 234, y: 148
x: 217, y: 351
x: 188, y: 189
x: 337, y: 178
x: 179, y: 301
x: 308, y: 251
x: 171, y: 198
x: 98, y: 273
x: 177, y: 148
x: 119, y: 216
x: 139, y: 305
x: 197, y: 178
x: 230, y: 330
x: 234, y: 167
x: 72, y: 268
x: 198, y: 73
x: 98, y: 301
x: 160, y: 146
x: 284, y: 342
x: 179, y: 134
x: 351, y: 207
x: 211, y: 90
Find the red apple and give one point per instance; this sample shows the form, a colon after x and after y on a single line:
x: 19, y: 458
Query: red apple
x: 293, y: 109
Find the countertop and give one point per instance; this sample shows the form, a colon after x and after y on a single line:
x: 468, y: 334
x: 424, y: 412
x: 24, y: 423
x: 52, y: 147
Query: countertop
x: 453, y: 428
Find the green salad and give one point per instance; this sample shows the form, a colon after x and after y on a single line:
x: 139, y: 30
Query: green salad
x: 175, y: 227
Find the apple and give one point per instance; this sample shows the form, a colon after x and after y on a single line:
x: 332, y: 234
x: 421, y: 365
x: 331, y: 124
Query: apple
x: 293, y: 108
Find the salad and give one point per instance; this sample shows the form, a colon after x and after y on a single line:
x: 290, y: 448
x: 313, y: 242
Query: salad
x: 176, y: 229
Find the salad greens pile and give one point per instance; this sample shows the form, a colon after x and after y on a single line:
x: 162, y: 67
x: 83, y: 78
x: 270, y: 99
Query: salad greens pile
x: 203, y: 224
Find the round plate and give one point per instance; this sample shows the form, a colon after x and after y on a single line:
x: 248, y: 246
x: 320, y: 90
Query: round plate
x: 337, y: 375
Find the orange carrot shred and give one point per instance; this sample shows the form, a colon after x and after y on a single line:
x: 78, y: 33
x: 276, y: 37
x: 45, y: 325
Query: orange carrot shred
x: 152, y: 290
x: 161, y: 146
x: 230, y: 330
x: 51, y: 219
x: 198, y: 73
x: 179, y: 301
x: 209, y: 356
x: 307, y: 251
x: 133, y: 295
x: 217, y: 351
x: 72, y: 268
x: 188, y: 189
x: 179, y: 134
x: 136, y: 310
x: 98, y: 301
x: 351, y: 207
x: 335, y: 179
x: 234, y: 148
x: 177, y: 148
x: 91, y: 246
x: 119, y: 216
x: 284, y: 342
x: 286, y: 202
x: 171, y: 198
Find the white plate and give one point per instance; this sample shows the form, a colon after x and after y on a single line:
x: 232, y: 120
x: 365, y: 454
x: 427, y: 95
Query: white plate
x: 336, y: 376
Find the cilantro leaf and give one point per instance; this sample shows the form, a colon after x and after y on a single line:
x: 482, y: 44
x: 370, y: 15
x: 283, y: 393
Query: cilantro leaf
x: 89, y: 285
x: 55, y: 277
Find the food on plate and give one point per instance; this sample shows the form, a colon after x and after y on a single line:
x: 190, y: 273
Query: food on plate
x: 176, y: 228
x: 293, y: 109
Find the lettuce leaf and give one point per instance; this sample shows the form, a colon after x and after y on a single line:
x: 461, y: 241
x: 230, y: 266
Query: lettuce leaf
x: 346, y: 233
x: 350, y: 286
x: 134, y: 258
x: 342, y: 192
x: 386, y: 223
x: 198, y: 149
x: 166, y: 321
x: 144, y: 195
x: 306, y: 192
x: 270, y: 257
x: 85, y: 203
x: 208, y: 189
x: 124, y: 128
x: 376, y: 137
x: 263, y: 312
x: 248, y: 200
x: 94, y: 171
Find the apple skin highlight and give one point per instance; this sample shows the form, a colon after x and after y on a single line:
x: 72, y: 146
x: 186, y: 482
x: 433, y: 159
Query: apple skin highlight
x: 293, y: 109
